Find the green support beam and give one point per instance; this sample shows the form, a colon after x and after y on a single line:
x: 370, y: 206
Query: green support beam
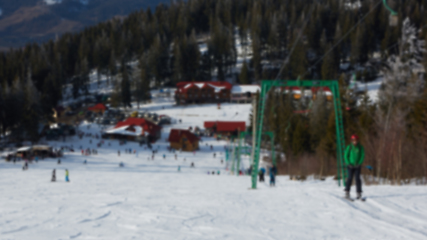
x: 266, y: 86
x: 242, y: 135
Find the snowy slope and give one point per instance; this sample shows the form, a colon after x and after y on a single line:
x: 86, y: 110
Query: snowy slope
x: 150, y: 199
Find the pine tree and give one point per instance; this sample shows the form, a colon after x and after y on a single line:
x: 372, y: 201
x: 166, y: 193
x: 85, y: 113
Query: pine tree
x: 32, y: 114
x: 329, y: 66
x: 243, y: 77
x: 301, y: 137
x: 256, y: 59
x: 142, y: 89
x: 125, y: 86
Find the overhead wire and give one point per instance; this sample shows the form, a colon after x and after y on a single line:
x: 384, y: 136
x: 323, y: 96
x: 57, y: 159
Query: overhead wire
x: 328, y: 52
x: 345, y: 36
x: 295, y: 43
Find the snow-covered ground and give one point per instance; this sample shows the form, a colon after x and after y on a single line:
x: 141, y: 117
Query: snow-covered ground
x: 371, y: 88
x: 150, y: 199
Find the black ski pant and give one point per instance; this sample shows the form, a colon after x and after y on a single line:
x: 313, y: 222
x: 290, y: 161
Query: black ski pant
x: 353, y: 171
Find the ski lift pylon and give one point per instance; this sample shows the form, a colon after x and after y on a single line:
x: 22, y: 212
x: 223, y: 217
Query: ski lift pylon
x: 393, y: 18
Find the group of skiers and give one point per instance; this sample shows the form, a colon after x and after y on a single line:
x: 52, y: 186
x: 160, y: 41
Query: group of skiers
x: 272, y: 172
x: 89, y: 152
x: 67, y: 175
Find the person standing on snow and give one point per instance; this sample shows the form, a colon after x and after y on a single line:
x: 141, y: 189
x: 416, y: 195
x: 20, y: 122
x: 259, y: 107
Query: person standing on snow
x: 273, y: 171
x: 354, y: 157
x: 54, y: 175
x: 261, y: 174
x: 67, y: 176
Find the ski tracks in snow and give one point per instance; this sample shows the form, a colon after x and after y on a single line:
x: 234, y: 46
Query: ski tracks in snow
x: 394, y: 222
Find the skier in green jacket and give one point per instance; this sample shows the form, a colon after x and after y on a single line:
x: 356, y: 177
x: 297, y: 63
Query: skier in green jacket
x: 354, y: 156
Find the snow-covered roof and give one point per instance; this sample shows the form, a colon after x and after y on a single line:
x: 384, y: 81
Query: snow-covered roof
x: 23, y: 149
x: 245, y: 88
x: 122, y: 130
x: 217, y: 89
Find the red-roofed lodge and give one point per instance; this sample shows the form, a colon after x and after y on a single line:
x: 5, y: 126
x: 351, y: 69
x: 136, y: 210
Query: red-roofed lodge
x: 134, y: 129
x: 202, y: 92
x: 226, y: 128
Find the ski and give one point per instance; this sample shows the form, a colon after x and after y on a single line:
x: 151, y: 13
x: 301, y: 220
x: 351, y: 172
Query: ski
x: 349, y: 199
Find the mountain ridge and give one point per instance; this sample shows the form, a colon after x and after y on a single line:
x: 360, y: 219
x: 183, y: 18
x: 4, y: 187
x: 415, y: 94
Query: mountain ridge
x: 26, y: 21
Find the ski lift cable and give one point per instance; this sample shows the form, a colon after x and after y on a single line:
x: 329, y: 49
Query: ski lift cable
x: 389, y: 8
x: 295, y: 43
x: 345, y: 36
x: 329, y: 51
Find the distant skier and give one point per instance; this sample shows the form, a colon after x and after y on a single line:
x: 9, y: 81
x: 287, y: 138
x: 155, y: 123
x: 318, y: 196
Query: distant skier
x: 118, y: 153
x: 53, y: 176
x: 85, y: 161
x: 273, y: 172
x: 261, y: 174
x: 218, y: 172
x: 59, y: 161
x: 164, y: 156
x: 354, y: 157
x: 179, y: 168
x: 176, y: 157
x: 25, y: 167
x: 121, y: 164
x: 192, y: 165
x: 67, y: 175
x: 214, y: 155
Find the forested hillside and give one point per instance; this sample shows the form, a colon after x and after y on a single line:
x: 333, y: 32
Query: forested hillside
x: 337, y: 39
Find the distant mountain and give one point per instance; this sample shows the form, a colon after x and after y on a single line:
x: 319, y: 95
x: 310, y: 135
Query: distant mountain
x: 23, y: 21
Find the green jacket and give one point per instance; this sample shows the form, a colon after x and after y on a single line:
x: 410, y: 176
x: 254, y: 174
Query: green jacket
x: 354, y: 155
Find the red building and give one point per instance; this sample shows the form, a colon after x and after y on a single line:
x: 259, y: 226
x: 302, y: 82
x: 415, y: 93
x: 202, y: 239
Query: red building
x: 202, y: 92
x: 134, y: 129
x: 98, y: 108
x: 225, y: 128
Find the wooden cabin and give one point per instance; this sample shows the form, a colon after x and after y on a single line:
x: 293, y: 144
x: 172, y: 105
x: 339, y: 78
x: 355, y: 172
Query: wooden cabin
x: 184, y: 140
x: 203, y: 92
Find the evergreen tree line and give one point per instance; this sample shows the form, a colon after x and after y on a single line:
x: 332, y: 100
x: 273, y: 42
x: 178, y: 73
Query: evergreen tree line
x: 164, y: 42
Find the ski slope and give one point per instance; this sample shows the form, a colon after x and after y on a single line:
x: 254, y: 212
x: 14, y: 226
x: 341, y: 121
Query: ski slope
x: 150, y: 199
